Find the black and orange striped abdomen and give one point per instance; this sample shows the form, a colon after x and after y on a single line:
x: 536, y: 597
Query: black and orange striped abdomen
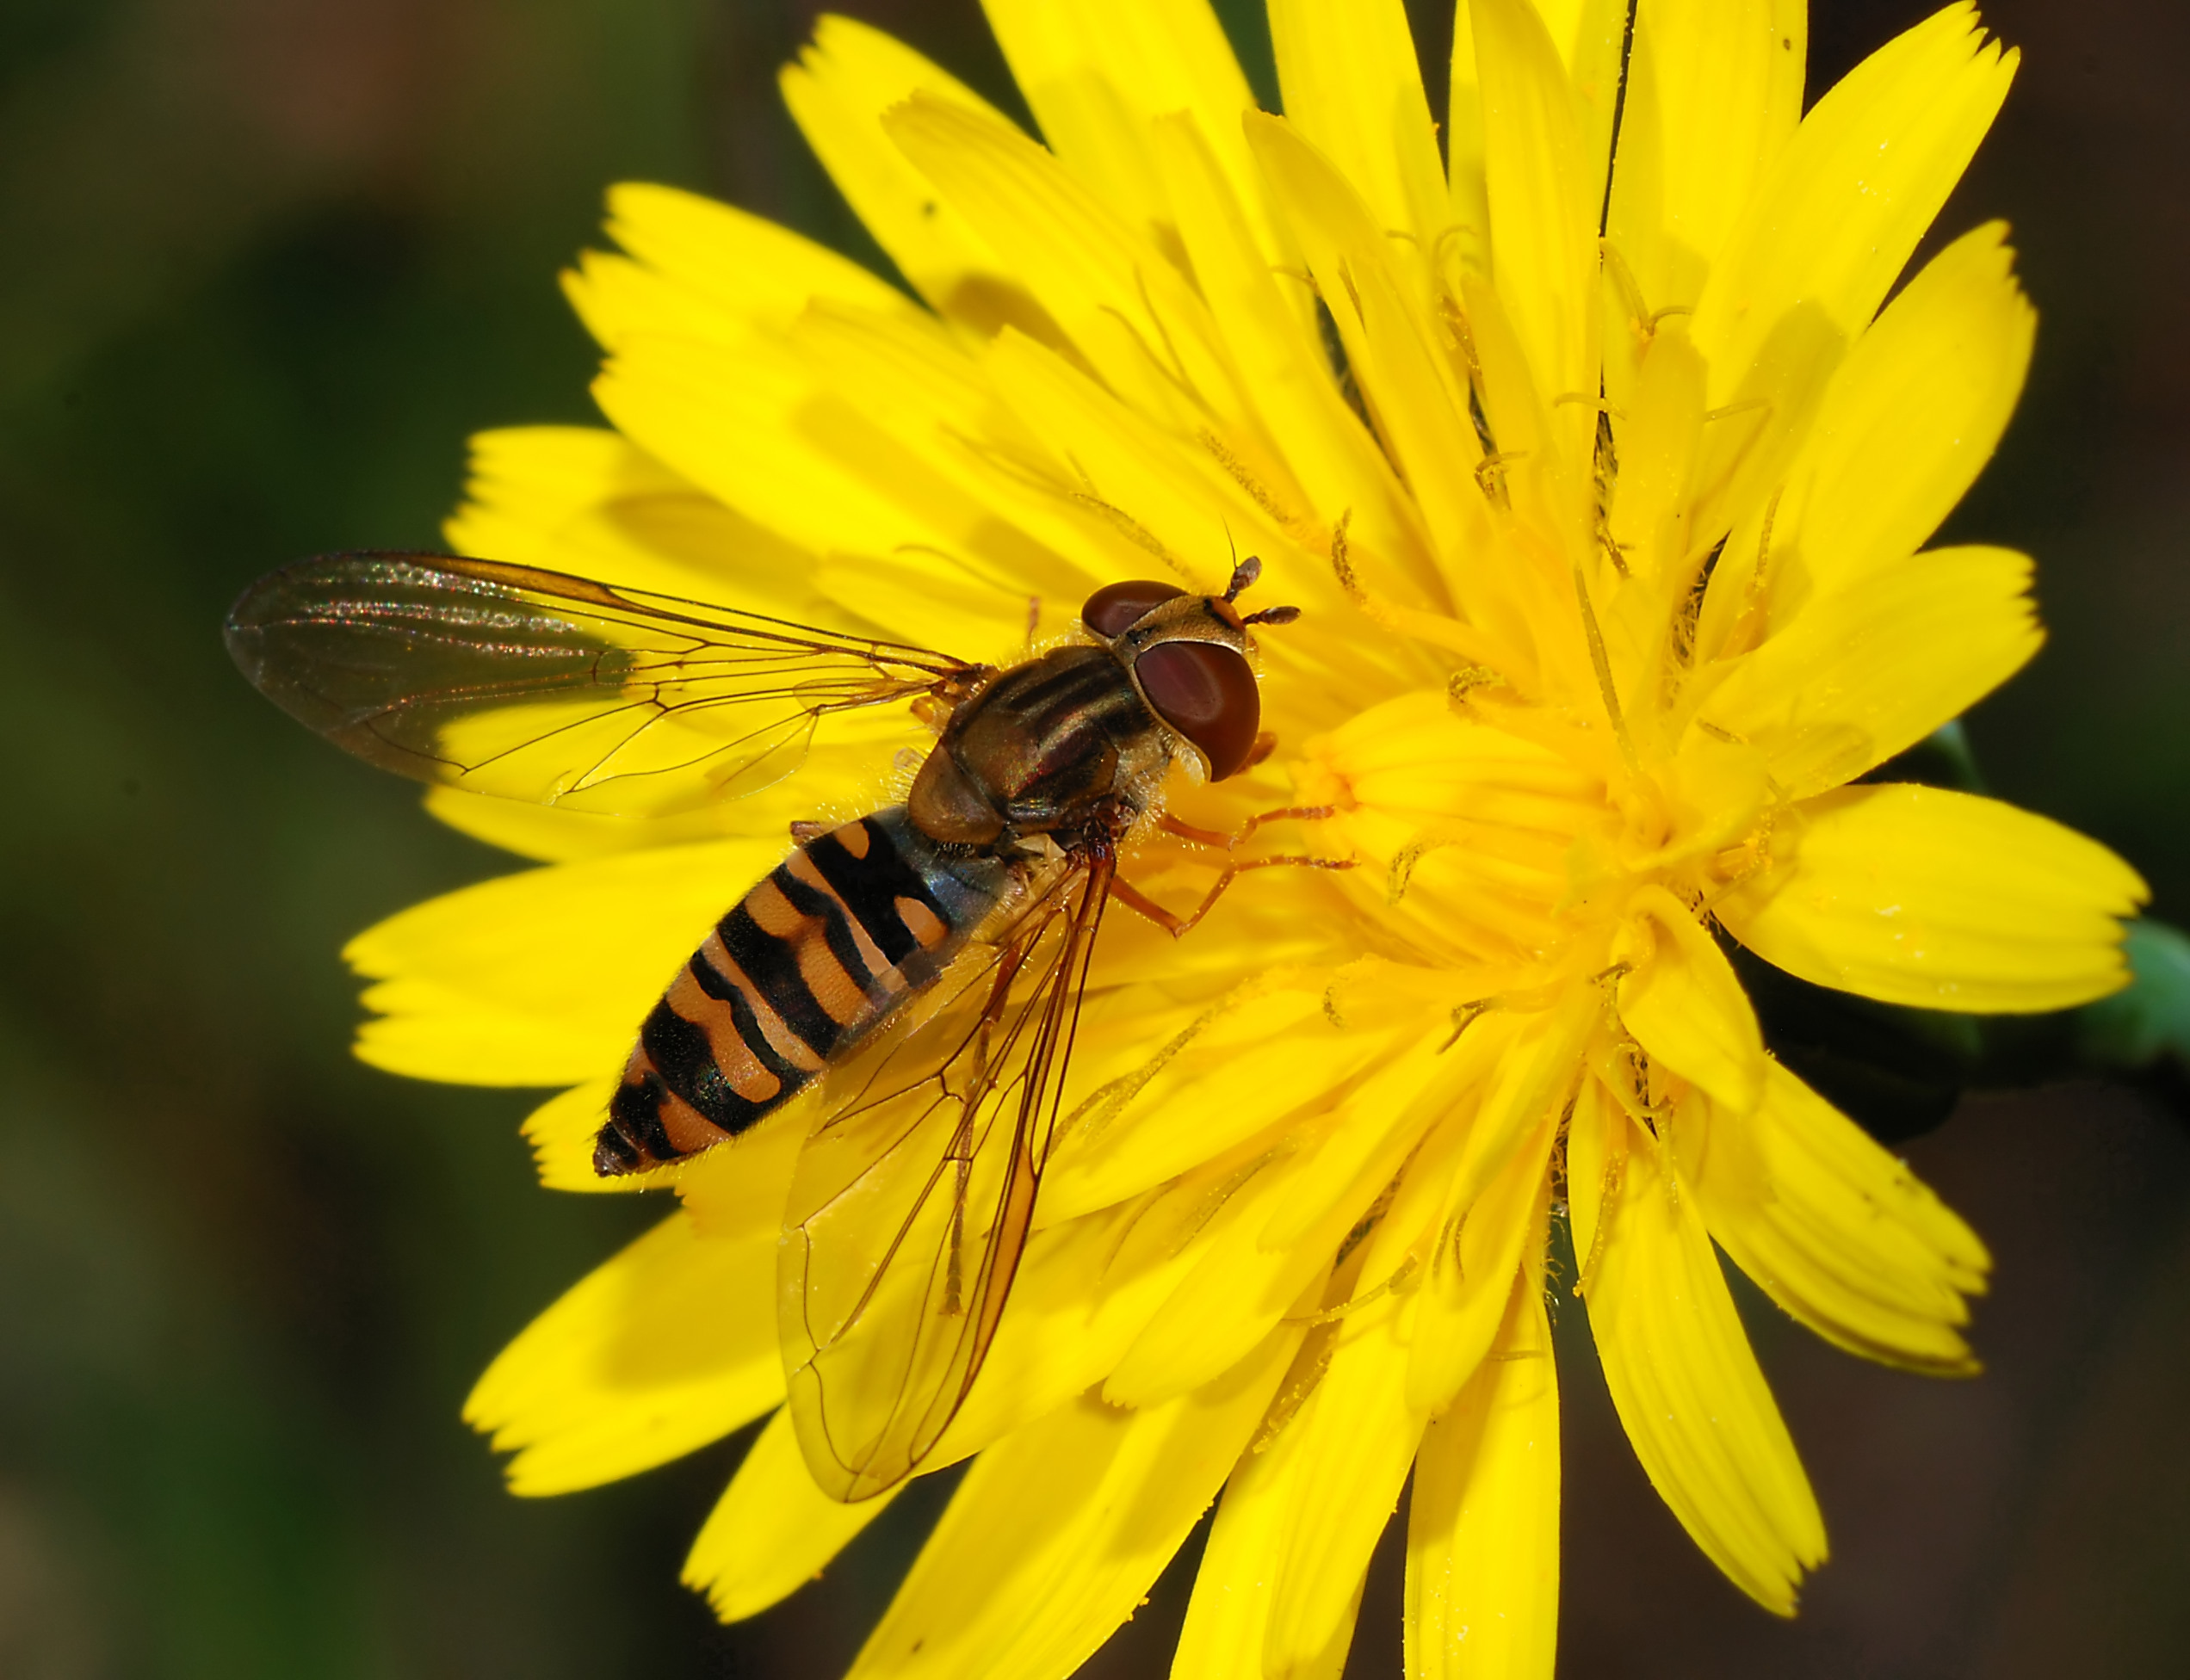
x: 818, y: 955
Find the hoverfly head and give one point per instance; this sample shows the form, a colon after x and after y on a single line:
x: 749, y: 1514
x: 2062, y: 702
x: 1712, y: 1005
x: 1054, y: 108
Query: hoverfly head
x: 1188, y: 655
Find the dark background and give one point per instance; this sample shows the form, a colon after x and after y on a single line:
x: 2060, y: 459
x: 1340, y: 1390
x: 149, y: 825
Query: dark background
x: 264, y: 265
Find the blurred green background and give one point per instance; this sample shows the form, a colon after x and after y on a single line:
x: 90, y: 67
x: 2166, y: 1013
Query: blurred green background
x: 264, y: 265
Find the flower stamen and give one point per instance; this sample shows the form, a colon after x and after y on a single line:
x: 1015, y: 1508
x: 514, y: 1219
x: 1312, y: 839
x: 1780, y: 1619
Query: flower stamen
x: 1600, y: 663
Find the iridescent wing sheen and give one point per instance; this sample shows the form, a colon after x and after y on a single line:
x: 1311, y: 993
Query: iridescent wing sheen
x: 537, y: 686
x: 911, y: 1202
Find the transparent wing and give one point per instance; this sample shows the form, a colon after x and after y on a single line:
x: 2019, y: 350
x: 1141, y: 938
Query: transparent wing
x: 910, y: 1204
x: 537, y: 686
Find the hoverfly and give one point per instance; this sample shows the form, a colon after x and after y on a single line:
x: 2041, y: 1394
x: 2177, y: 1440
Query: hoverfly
x: 963, y: 920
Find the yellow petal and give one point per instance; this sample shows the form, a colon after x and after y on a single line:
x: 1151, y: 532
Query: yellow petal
x: 1542, y: 222
x: 758, y: 428
x: 1535, y: 1076
x: 1714, y: 92
x: 588, y: 502
x: 542, y: 979
x: 1083, y: 1291
x: 1175, y: 496
x: 1186, y: 512
x: 1835, y: 1229
x: 1059, y: 1529
x: 1353, y: 89
x: 1268, y: 323
x: 1097, y: 72
x: 1089, y: 1286
x: 772, y: 1531
x: 556, y: 834
x: 837, y: 92
x: 1178, y: 1101
x: 667, y: 1347
x: 1478, y: 1251
x: 1254, y: 1270
x: 1417, y: 400
x: 1425, y: 1081
x: 1228, y: 1620
x: 1589, y: 36
x: 1594, y: 43
x: 1357, y: 1435
x: 527, y: 482
x: 959, y: 464
x: 1911, y: 417
x: 614, y: 297
x: 1118, y: 303
x: 1482, y: 1535
x: 1747, y: 446
x: 1688, y: 1390
x: 1683, y: 1004
x: 1468, y: 245
x: 718, y: 271
x: 1940, y: 899
x: 1660, y: 439
x: 761, y: 269
x: 1831, y: 223
x: 1461, y: 828
x: 1869, y: 671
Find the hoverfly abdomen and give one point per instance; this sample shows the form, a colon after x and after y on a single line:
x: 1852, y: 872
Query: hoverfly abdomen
x: 815, y: 958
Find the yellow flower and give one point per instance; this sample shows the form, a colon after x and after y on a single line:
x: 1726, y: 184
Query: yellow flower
x: 1600, y: 475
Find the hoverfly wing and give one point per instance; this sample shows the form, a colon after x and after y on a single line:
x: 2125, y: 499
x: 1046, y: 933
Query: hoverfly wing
x: 911, y: 1204
x: 537, y: 686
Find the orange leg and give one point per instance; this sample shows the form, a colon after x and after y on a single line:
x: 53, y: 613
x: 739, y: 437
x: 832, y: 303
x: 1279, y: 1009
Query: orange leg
x: 1133, y: 898
x: 1212, y: 837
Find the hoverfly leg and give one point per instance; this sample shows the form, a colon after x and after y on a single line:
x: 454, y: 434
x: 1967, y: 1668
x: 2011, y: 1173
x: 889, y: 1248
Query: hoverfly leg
x: 1176, y: 925
x: 1134, y: 899
x: 1222, y: 842
x: 1217, y: 839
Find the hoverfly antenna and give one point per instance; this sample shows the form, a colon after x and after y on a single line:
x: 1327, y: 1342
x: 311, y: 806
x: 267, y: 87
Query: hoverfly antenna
x: 1244, y: 573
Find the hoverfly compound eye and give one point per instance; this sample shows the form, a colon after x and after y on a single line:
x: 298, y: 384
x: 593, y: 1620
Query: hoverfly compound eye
x: 1116, y: 608
x: 1207, y: 691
